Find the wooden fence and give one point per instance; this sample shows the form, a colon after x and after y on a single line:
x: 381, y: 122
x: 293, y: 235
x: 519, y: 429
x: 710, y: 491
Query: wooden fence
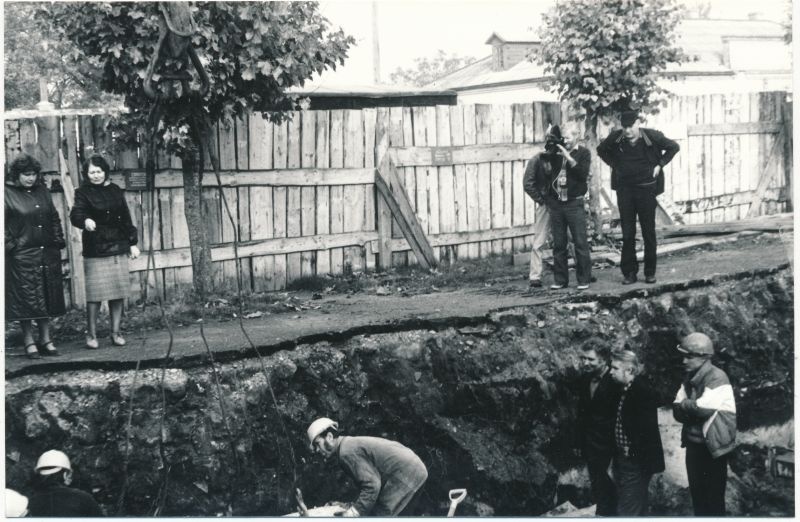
x: 305, y: 197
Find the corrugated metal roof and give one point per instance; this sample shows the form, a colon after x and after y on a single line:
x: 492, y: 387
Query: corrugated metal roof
x: 480, y: 73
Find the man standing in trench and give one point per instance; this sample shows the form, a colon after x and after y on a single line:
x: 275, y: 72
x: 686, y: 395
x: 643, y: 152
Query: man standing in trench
x: 706, y: 407
x: 54, y: 497
x: 637, y: 157
x: 638, y: 453
x: 387, y: 473
x: 597, y: 408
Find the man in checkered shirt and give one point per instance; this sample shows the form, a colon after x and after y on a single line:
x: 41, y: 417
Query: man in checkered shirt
x: 638, y: 452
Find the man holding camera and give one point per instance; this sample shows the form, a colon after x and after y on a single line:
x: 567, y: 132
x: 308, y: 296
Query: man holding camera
x: 556, y: 180
x: 637, y: 157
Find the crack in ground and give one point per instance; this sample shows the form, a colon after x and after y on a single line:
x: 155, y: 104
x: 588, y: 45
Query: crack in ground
x: 403, y: 325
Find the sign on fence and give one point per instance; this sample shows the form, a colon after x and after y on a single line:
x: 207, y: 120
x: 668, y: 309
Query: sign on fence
x: 136, y: 180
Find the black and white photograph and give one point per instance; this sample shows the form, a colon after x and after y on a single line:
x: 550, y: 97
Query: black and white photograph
x: 386, y: 258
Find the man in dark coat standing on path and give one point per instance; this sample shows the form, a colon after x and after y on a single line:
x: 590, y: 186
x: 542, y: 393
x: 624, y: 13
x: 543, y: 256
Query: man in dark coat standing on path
x: 637, y: 157
x: 597, y: 408
x: 638, y: 453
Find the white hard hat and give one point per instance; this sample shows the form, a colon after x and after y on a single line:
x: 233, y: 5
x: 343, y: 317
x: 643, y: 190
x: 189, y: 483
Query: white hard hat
x: 52, y: 461
x: 318, y: 427
x: 16, y: 504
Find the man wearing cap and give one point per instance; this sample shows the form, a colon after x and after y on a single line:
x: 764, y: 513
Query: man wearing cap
x: 556, y: 180
x: 637, y: 157
x: 705, y: 405
x: 387, y: 473
x: 638, y: 453
x: 54, y: 497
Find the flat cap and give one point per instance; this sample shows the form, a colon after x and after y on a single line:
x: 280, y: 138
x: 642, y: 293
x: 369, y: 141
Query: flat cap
x: 628, y: 118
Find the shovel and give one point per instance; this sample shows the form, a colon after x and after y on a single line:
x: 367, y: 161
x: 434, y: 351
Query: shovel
x: 456, y: 496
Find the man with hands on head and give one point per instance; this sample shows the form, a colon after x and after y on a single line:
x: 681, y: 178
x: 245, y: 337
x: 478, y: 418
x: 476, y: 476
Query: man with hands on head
x: 637, y: 157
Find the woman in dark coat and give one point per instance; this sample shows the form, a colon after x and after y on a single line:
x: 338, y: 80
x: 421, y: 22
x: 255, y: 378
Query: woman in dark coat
x: 109, y: 238
x: 34, y: 239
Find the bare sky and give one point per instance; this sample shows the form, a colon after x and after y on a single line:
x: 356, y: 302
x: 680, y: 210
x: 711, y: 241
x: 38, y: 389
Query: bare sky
x: 417, y: 28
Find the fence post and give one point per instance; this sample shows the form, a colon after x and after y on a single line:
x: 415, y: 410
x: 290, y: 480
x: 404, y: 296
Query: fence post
x: 74, y: 243
x: 788, y: 150
x: 384, y: 224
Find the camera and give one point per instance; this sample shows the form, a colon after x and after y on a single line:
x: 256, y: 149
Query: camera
x: 551, y: 144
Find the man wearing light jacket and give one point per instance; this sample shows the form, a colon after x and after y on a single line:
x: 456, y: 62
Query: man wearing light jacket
x: 387, y: 473
x: 705, y: 405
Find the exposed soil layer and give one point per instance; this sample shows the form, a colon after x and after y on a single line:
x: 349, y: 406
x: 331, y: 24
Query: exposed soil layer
x: 487, y: 405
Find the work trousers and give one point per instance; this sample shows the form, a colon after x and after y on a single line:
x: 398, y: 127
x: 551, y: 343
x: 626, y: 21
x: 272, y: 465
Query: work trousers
x: 541, y: 231
x: 604, y: 493
x: 641, y: 202
x: 632, y: 486
x: 569, y: 215
x: 396, y: 494
x: 707, y: 479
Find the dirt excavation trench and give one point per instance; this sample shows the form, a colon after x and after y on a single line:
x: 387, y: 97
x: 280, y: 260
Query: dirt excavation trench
x: 489, y: 407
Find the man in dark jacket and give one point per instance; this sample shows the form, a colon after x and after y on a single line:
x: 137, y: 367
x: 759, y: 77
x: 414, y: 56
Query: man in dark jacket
x: 54, y: 497
x: 638, y: 452
x: 637, y: 157
x: 557, y: 178
x: 387, y: 473
x: 705, y: 405
x: 597, y: 408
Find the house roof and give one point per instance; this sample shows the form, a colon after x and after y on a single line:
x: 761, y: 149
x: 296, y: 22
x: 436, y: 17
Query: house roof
x: 480, y: 74
x: 513, y: 37
x: 702, y: 39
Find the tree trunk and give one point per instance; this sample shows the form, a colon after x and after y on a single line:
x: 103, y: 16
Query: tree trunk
x: 202, y: 270
x: 595, y: 183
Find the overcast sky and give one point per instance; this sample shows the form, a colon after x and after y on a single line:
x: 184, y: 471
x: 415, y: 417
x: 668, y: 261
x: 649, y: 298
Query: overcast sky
x: 418, y: 28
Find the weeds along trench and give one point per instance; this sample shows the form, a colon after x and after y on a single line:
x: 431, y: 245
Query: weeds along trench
x: 489, y: 406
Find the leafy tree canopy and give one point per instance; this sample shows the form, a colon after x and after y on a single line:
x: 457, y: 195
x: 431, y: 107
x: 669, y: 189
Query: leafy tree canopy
x: 427, y: 70
x: 606, y: 55
x: 251, y: 51
x: 32, y: 50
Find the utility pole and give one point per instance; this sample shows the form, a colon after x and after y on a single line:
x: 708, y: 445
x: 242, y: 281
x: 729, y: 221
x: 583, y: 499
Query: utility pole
x: 376, y: 50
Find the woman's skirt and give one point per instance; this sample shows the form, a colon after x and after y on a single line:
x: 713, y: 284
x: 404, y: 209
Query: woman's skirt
x: 106, y: 278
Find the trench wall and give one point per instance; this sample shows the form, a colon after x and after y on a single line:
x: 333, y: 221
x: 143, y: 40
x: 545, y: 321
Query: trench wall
x: 488, y: 407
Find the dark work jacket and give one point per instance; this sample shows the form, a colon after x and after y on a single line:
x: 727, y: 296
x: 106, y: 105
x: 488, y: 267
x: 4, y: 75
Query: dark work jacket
x: 61, y: 501
x: 543, y: 169
x: 659, y: 150
x: 33, y: 243
x: 596, y: 416
x: 106, y: 205
x: 640, y: 422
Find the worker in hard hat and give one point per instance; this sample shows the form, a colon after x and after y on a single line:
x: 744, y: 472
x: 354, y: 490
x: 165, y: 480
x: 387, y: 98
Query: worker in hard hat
x: 706, y: 407
x: 16, y: 504
x: 54, y: 497
x: 387, y: 473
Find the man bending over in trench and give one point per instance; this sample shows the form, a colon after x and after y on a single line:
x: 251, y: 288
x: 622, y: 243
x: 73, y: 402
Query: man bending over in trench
x: 387, y: 473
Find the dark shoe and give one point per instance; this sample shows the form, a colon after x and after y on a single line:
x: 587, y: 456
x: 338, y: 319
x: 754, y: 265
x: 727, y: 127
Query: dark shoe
x: 49, y: 349
x: 31, y: 352
x: 535, y: 283
x: 593, y: 279
x: 650, y: 279
x: 629, y: 280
